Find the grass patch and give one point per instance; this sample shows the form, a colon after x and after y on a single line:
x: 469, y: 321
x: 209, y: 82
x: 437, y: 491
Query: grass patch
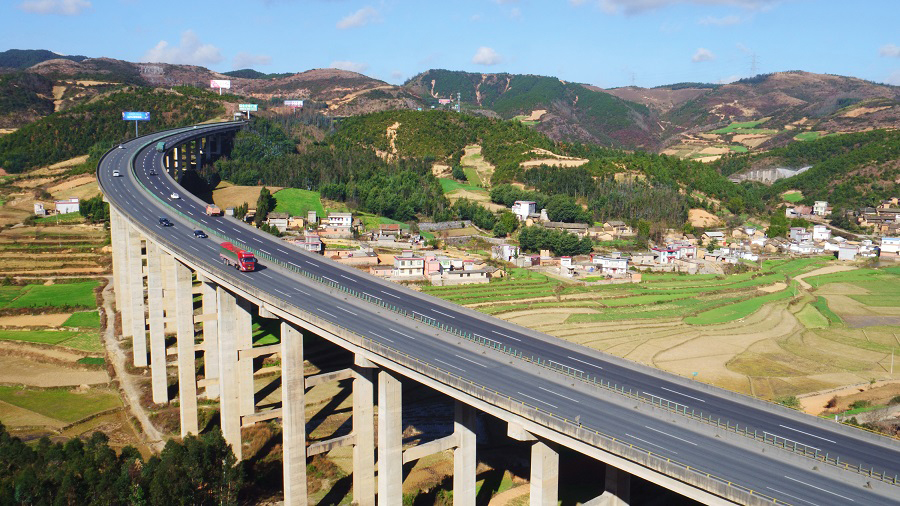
x: 66, y: 295
x: 472, y: 176
x: 83, y: 319
x: 807, y: 136
x: 737, y: 310
x: 737, y: 148
x: 91, y: 361
x: 59, y: 403
x: 876, y: 300
x: 811, y: 318
x: 84, y: 341
x: 792, y: 197
x: 61, y: 218
x: 38, y: 336
x: 738, y: 125
x: 298, y: 202
x: 821, y: 304
x: 451, y: 185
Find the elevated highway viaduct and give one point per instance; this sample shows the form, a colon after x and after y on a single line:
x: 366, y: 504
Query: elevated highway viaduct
x: 705, y: 443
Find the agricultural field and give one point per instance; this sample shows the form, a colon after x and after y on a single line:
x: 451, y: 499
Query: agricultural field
x: 792, y: 327
x: 746, y: 127
x: 793, y: 197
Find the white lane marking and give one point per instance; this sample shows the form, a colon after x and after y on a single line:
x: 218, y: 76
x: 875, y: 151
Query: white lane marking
x: 264, y: 251
x: 666, y: 433
x: 538, y: 400
x: 204, y: 221
x: 329, y: 279
x: 449, y: 364
x: 559, y: 394
x: 220, y: 230
x: 347, y: 310
x: 382, y: 337
x: 193, y: 248
x: 808, y: 434
x: 374, y: 297
x: 652, y: 444
x: 470, y: 360
x: 683, y: 395
x: 585, y: 363
x: 445, y: 314
x: 266, y: 275
x: 401, y: 333
x: 506, y: 335
x: 302, y: 291
x: 257, y: 240
x: 283, y: 251
x: 345, y: 277
x: 282, y: 293
x: 326, y: 312
x: 819, y: 488
x: 295, y: 265
x: 392, y: 295
x: 791, y: 496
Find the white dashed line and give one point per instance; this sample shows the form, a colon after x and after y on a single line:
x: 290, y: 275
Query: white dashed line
x: 345, y: 277
x: 559, y: 394
x: 295, y: 265
x: 470, y: 360
x: 329, y: 279
x: 667, y: 434
x: 282, y: 293
x: 283, y: 251
x: 381, y: 337
x: 392, y: 295
x: 326, y: 312
x: 649, y: 443
x: 449, y: 365
x: 506, y: 335
x: 538, y: 400
x: 791, y: 496
x: 402, y: 334
x: 684, y: 395
x: 445, y: 314
x: 585, y: 363
x: 819, y: 488
x: 347, y: 310
x: 807, y: 433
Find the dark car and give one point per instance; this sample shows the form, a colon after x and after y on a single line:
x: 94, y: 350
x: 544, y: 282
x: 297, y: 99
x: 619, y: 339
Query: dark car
x: 165, y: 222
x: 200, y: 234
x: 152, y: 172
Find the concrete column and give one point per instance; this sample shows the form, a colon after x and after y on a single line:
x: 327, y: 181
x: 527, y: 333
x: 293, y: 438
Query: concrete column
x: 244, y: 339
x: 210, y: 340
x: 464, y: 460
x: 390, y: 439
x: 120, y: 260
x: 176, y: 158
x: 229, y: 390
x: 187, y: 372
x: 159, y: 381
x: 364, y: 430
x: 618, y: 487
x: 544, y: 475
x: 136, y: 296
x: 198, y: 156
x: 293, y: 408
x: 168, y: 300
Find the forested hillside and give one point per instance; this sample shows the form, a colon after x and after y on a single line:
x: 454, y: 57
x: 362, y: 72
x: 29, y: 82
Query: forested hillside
x: 24, y: 98
x: 71, y: 133
x: 24, y: 58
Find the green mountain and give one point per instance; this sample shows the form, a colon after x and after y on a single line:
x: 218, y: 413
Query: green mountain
x: 571, y: 111
x: 24, y: 58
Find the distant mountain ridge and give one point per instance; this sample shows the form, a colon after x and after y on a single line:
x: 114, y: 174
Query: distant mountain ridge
x: 24, y: 58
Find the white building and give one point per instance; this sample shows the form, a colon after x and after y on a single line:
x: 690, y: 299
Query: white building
x: 39, y: 209
x: 610, y: 265
x: 339, y: 222
x: 407, y: 265
x: 310, y: 242
x: 67, y: 206
x: 820, y: 208
x: 848, y: 252
x: 505, y: 252
x: 523, y: 208
x: 890, y: 245
x: 821, y: 233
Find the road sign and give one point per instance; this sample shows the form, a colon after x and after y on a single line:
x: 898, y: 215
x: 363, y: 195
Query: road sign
x: 248, y: 107
x: 135, y: 116
x: 220, y: 83
x: 293, y: 103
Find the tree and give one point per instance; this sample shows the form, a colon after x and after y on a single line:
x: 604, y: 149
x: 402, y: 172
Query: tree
x: 565, y: 209
x: 778, y: 224
x: 264, y: 205
x: 458, y: 173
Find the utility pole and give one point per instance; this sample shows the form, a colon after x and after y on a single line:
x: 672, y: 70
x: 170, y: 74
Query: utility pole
x: 754, y: 64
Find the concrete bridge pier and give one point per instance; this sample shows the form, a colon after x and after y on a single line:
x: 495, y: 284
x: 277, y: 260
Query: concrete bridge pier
x: 390, y: 439
x: 544, y: 481
x: 135, y: 294
x: 293, y: 415
x: 363, y: 432
x: 230, y: 316
x: 155, y: 278
x: 210, y: 324
x: 119, y: 242
x: 179, y: 276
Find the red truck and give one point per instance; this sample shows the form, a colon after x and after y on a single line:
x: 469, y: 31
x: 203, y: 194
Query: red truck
x: 213, y: 210
x: 236, y: 257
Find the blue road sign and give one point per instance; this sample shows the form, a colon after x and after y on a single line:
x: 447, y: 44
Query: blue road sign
x: 135, y: 116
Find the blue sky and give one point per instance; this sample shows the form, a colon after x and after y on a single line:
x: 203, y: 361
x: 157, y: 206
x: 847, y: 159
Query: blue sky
x: 607, y: 43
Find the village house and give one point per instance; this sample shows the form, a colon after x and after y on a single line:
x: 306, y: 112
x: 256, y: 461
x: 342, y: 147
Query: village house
x: 613, y: 265
x: 504, y: 252
x: 821, y: 233
x: 710, y: 236
x: 579, y: 229
x: 890, y: 247
x: 523, y: 209
x: 799, y: 234
x: 820, y: 208
x: 618, y: 228
x: 278, y: 220
x: 408, y: 264
x: 889, y: 203
x: 362, y: 257
x: 312, y: 217
x: 310, y: 241
x: 39, y: 209
x: 67, y: 206
x: 848, y: 252
x: 340, y: 223
x: 382, y: 271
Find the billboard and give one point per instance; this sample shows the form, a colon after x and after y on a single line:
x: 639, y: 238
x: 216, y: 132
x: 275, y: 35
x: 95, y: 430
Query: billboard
x: 443, y: 101
x: 293, y: 103
x: 247, y: 107
x: 220, y: 83
x: 135, y: 116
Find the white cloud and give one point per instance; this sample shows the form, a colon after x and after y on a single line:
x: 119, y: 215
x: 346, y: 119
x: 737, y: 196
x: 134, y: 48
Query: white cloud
x: 244, y: 59
x: 486, y: 56
x: 703, y: 54
x: 723, y: 21
x: 362, y: 17
x: 191, y: 51
x: 641, y: 6
x: 352, y: 66
x: 890, y: 50
x: 729, y: 79
x: 515, y: 13
x: 65, y: 7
